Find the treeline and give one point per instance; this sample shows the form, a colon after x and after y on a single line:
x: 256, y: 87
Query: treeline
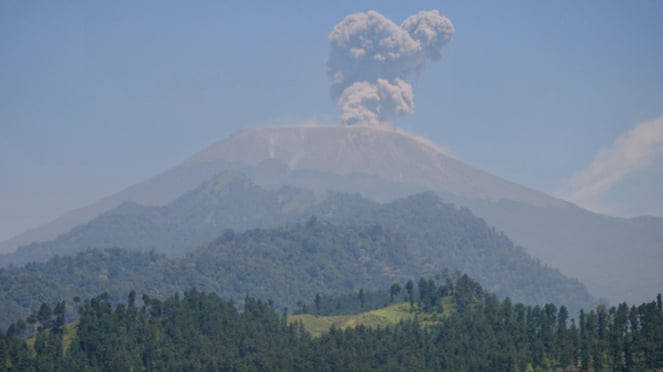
x: 200, y: 331
x: 499, y: 335
x: 193, y: 332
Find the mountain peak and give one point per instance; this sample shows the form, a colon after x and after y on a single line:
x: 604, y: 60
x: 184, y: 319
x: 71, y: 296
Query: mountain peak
x: 389, y: 153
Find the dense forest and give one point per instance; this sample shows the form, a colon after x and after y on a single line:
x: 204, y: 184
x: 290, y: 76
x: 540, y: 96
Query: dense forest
x: 285, y: 264
x: 201, y: 331
x: 428, y: 234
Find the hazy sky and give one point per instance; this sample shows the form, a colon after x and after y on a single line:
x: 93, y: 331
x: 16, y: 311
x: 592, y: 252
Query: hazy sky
x: 561, y: 96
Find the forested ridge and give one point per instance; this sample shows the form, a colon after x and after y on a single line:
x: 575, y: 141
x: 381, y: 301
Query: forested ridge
x: 285, y: 264
x: 421, y: 235
x: 195, y: 330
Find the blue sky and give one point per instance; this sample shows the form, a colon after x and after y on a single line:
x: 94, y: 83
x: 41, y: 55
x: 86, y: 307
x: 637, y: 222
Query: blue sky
x: 97, y: 96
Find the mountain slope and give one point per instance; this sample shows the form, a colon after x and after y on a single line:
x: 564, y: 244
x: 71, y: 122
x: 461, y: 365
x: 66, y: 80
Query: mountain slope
x: 385, y: 153
x: 437, y: 235
x: 229, y: 200
x: 616, y: 258
x: 158, y: 190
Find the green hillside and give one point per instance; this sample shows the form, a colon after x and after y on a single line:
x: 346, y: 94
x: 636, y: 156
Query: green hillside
x: 287, y: 265
x: 415, y: 236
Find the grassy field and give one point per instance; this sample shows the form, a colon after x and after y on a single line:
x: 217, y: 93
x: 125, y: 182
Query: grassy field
x: 317, y: 325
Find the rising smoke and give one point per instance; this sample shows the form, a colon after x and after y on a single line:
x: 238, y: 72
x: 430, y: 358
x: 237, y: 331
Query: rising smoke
x: 371, y: 57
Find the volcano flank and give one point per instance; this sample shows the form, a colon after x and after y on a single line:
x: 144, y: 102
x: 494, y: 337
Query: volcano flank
x: 390, y: 154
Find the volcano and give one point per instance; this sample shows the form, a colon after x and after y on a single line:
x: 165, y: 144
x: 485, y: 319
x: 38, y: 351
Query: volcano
x: 390, y: 154
x: 384, y: 163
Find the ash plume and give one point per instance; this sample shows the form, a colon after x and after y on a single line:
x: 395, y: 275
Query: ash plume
x: 371, y: 58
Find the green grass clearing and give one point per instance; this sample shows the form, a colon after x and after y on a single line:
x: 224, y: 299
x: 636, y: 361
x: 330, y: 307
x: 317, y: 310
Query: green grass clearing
x: 318, y: 325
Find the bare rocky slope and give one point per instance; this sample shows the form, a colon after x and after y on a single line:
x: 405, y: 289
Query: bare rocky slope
x: 389, y: 154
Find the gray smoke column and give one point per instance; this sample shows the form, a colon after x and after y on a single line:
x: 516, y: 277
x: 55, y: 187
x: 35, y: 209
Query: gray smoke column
x: 371, y: 58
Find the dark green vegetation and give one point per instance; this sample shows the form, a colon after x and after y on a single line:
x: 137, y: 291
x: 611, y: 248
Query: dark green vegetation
x: 199, y: 331
x: 284, y: 264
x: 353, y: 243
